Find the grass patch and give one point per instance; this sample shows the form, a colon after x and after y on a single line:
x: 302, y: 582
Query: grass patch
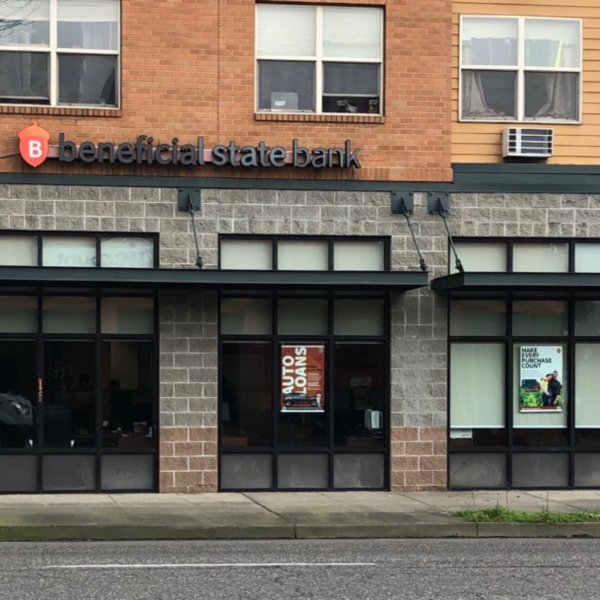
x: 505, y: 515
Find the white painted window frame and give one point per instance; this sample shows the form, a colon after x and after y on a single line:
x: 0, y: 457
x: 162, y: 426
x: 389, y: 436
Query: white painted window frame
x: 53, y: 50
x: 520, y: 69
x: 318, y: 59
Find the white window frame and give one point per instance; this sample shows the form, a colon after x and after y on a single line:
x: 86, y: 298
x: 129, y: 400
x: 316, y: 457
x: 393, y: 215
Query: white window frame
x: 520, y: 69
x: 318, y: 59
x: 53, y: 50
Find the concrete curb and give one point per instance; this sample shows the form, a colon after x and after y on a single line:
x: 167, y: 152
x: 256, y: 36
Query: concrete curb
x: 390, y: 531
x: 538, y: 530
x: 47, y: 533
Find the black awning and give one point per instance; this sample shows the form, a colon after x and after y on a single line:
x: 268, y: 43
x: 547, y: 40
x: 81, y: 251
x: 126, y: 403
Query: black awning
x: 517, y: 282
x: 211, y: 279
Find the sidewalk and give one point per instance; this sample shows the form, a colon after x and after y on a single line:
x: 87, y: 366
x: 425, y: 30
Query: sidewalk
x: 282, y: 515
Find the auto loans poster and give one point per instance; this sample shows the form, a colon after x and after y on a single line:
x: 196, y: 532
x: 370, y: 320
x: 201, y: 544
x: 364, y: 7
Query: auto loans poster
x: 541, y: 377
x: 303, y: 379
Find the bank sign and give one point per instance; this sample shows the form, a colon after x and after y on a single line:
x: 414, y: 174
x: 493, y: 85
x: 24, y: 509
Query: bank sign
x: 35, y: 148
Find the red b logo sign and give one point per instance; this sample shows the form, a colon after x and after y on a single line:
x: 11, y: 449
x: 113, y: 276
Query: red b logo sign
x: 33, y: 144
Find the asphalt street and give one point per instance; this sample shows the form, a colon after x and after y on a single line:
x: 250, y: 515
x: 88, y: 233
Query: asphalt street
x: 494, y: 569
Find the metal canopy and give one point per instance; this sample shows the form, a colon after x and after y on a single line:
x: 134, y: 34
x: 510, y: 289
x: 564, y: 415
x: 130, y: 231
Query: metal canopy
x: 189, y: 279
x: 517, y: 282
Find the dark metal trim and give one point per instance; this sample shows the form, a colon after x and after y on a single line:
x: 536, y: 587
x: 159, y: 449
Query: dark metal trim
x: 211, y: 279
x: 517, y: 282
x: 492, y: 178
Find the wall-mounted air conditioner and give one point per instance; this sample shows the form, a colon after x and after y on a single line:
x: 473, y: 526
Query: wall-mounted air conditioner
x: 522, y: 142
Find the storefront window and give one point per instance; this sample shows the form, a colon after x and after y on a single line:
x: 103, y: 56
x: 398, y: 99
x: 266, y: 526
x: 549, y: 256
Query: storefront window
x: 18, y: 394
x: 18, y: 314
x: 305, y: 394
x: 540, y: 394
x: 69, y: 315
x: 587, y: 318
x: 477, y: 413
x: 127, y: 407
x: 359, y: 395
x: 478, y: 317
x: 539, y: 318
x: 70, y: 395
x: 302, y: 317
x: 482, y: 257
x: 18, y: 250
x: 246, y: 316
x: 127, y: 315
x: 246, y: 394
x: 587, y: 258
x: 69, y: 251
x: 540, y: 258
x: 358, y: 317
x: 69, y: 390
x: 587, y: 396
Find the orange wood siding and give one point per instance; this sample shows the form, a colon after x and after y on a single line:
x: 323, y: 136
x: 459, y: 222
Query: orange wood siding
x: 475, y: 142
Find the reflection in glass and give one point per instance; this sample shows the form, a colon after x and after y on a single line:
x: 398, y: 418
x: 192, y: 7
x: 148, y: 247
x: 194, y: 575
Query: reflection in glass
x: 246, y: 395
x: 489, y: 41
x: 69, y: 252
x: 23, y: 22
x: 87, y: 79
x: 359, y: 393
x: 127, y: 252
x: 540, y: 318
x: 91, y: 25
x: 127, y: 408
x: 18, y: 394
x: 70, y: 394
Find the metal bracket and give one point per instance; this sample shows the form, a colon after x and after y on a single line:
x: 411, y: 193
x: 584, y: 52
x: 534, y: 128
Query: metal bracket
x: 189, y: 199
x: 438, y: 203
x: 403, y: 203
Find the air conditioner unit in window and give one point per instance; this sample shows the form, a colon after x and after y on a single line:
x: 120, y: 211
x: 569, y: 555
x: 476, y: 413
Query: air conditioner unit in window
x: 522, y: 142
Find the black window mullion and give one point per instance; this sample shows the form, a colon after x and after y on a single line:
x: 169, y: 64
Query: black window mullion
x: 98, y: 387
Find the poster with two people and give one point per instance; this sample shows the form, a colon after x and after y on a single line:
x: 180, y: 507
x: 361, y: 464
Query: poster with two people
x: 541, y: 377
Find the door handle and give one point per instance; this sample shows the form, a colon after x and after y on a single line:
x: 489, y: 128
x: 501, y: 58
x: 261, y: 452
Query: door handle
x: 40, y: 390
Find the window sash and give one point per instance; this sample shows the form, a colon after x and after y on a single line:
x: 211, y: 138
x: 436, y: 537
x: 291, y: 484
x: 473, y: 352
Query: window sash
x: 319, y: 59
x: 520, y: 69
x: 54, y: 51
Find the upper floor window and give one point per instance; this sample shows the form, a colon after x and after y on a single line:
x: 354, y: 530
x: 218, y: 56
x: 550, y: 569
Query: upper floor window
x: 520, y: 69
x: 319, y: 59
x: 59, y: 52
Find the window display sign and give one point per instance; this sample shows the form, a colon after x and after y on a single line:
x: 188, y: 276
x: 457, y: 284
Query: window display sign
x: 303, y: 379
x: 541, y: 379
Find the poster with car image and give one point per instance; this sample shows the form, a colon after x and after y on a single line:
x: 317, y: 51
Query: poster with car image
x: 302, y: 379
x: 541, y: 377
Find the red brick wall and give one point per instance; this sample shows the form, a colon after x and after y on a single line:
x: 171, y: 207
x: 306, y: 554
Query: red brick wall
x: 188, y: 69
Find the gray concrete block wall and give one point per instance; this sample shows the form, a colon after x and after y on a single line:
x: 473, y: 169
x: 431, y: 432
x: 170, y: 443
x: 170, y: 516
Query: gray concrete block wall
x: 188, y: 322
